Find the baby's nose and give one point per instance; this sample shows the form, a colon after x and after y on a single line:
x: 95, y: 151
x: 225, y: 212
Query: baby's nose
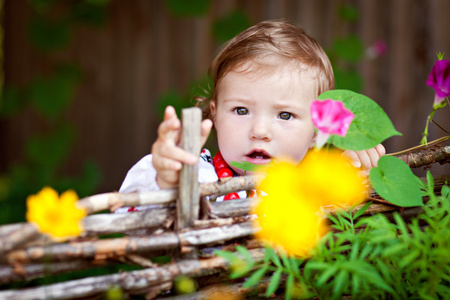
x: 261, y: 131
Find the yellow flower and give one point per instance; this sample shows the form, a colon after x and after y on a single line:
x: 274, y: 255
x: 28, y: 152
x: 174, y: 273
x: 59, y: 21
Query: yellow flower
x: 56, y: 216
x: 329, y: 178
x: 291, y: 215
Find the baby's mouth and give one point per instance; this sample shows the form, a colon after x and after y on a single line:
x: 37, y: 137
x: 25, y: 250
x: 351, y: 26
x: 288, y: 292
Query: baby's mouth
x: 258, y: 155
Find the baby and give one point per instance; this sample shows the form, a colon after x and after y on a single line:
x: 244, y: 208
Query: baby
x: 264, y: 82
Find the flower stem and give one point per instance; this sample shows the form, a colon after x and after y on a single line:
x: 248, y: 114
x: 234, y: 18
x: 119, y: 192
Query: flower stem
x: 425, y: 132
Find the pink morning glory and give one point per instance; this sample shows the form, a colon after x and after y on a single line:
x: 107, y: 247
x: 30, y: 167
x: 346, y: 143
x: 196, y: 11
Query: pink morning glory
x: 330, y: 117
x: 379, y: 48
x: 439, y: 80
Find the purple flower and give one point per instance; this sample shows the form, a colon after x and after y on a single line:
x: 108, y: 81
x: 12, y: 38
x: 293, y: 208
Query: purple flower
x: 330, y: 117
x: 439, y: 80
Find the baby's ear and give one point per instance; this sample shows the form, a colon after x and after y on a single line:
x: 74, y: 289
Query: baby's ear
x: 313, y: 140
x: 212, y: 107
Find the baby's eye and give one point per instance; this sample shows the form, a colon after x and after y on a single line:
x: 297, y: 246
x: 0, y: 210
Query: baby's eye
x: 241, y: 111
x: 285, y: 116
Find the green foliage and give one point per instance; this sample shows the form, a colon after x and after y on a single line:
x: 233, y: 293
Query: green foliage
x: 192, y: 8
x: 349, y: 48
x: 230, y: 25
x: 394, y: 181
x: 371, y: 125
x: 369, y: 257
x: 46, y: 149
x: 48, y: 35
x: 179, y: 100
x: 348, y: 13
x: 51, y: 96
x: 348, y: 79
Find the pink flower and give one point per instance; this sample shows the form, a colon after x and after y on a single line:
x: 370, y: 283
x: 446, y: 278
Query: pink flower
x: 439, y: 80
x: 379, y: 48
x: 330, y: 117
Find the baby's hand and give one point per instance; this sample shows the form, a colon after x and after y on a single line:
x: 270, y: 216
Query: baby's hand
x: 366, y: 159
x: 168, y: 157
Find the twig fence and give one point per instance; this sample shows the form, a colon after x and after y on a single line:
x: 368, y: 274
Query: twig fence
x: 185, y: 226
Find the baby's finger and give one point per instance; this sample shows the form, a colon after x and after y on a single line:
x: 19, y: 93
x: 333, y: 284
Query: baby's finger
x: 374, y: 156
x: 170, y: 130
x: 353, y: 156
x: 380, y: 149
x: 365, y: 159
x: 170, y: 151
x: 167, y: 179
x: 169, y: 113
x: 162, y: 164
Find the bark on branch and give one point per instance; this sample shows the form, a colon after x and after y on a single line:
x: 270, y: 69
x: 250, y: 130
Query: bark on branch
x: 128, y: 281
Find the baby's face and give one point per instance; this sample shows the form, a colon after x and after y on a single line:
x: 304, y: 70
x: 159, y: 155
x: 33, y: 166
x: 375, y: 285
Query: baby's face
x: 260, y: 117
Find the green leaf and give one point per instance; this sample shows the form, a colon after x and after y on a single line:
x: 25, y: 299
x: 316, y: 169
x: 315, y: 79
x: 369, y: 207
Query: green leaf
x: 51, y: 96
x: 394, y: 181
x: 401, y: 224
x: 394, y: 250
x: 295, y: 263
x: 49, y: 151
x: 340, y: 282
x: 92, y: 13
x: 289, y: 286
x: 227, y: 255
x: 12, y: 101
x: 49, y: 35
x: 430, y: 182
x: 349, y: 48
x: 327, y: 274
x: 371, y: 125
x: 255, y: 277
x: 274, y: 257
x: 348, y: 12
x: 285, y: 259
x: 239, y: 269
x: 246, y: 166
x: 245, y: 254
x: 192, y: 8
x: 356, y: 283
x: 41, y: 6
x: 274, y: 282
x: 348, y: 79
x: 230, y: 25
x: 361, y: 210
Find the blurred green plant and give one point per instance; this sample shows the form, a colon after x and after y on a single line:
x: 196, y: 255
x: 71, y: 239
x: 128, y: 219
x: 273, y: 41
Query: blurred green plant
x: 367, y: 257
x: 49, y: 96
x: 346, y: 52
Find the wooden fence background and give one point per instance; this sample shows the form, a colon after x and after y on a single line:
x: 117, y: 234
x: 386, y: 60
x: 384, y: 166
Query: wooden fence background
x: 142, y: 51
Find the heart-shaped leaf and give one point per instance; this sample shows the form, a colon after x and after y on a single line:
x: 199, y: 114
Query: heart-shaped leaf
x: 394, y: 181
x: 371, y: 125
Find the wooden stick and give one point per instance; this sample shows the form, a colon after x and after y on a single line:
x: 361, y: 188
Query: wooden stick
x: 117, y: 247
x: 156, y: 218
x: 189, y: 196
x: 128, y: 281
x: 112, y: 201
x: 415, y: 158
x: 20, y: 272
x: 424, y: 157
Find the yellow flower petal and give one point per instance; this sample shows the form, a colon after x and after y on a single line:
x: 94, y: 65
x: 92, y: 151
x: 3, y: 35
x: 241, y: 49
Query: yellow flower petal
x: 291, y: 215
x: 56, y: 216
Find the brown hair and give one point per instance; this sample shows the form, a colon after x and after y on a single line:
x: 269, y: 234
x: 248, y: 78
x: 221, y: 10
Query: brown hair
x: 270, y: 38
